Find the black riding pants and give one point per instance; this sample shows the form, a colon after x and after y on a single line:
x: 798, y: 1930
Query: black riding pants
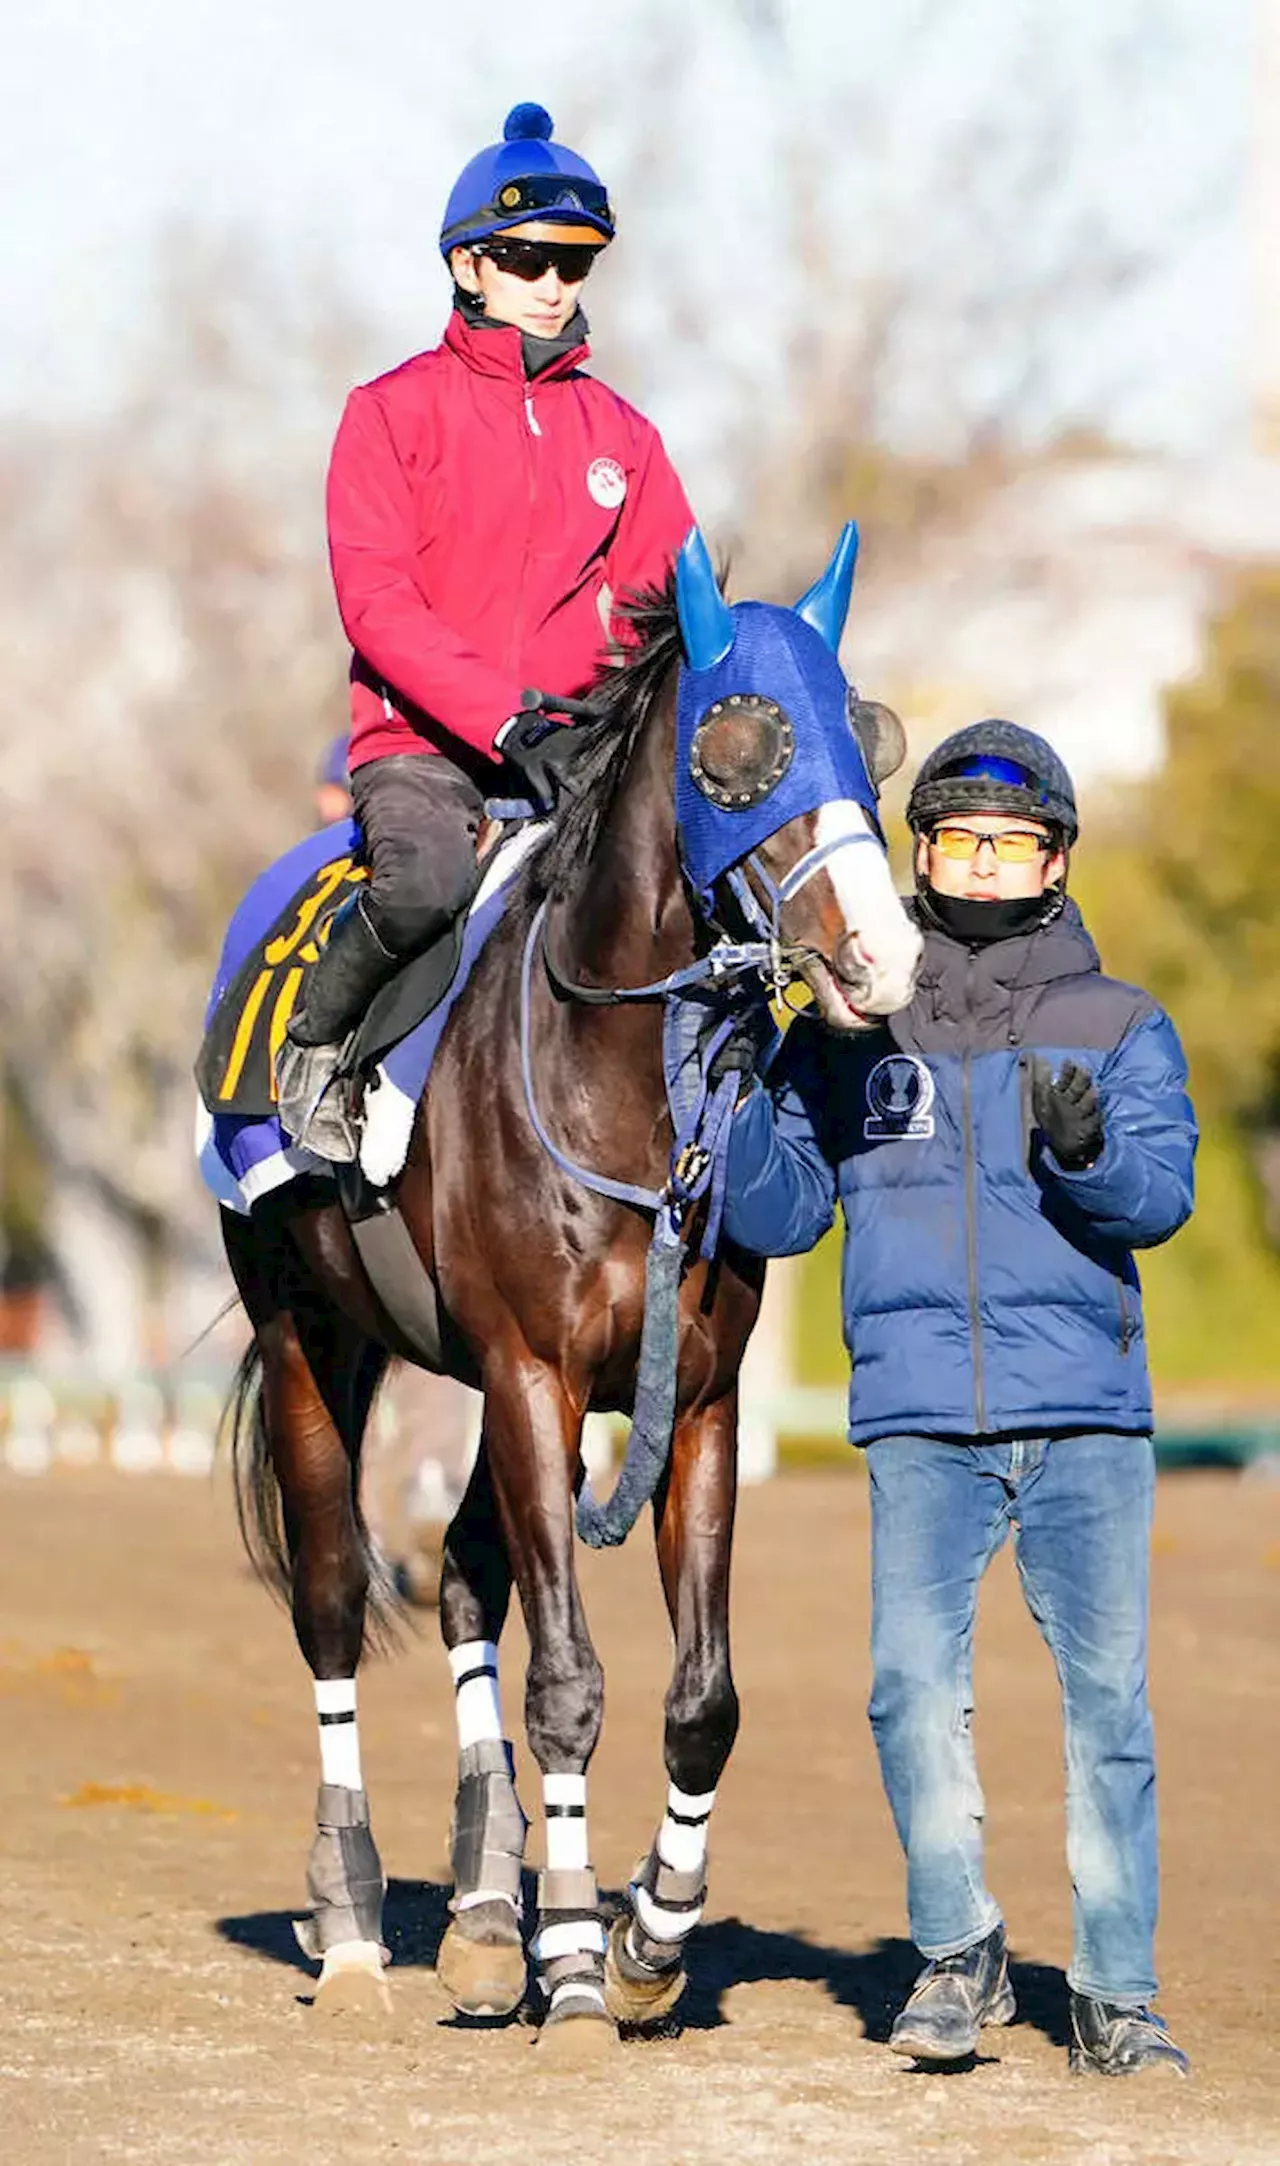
x: 420, y: 817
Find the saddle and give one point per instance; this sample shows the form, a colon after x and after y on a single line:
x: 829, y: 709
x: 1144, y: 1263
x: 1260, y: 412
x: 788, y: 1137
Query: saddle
x: 235, y: 1070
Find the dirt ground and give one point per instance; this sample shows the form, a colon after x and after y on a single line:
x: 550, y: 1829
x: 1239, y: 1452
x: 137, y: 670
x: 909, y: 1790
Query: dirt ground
x: 157, y: 1770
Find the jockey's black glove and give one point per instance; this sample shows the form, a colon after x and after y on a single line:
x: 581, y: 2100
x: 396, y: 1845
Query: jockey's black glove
x: 1068, y: 1113
x: 753, y: 1034
x: 544, y: 750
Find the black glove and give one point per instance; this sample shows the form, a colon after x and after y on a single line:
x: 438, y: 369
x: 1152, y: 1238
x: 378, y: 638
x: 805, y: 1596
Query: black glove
x: 753, y: 1033
x: 1068, y: 1113
x: 544, y: 749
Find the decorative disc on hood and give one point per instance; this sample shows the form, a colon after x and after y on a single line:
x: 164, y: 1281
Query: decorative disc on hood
x: 741, y: 749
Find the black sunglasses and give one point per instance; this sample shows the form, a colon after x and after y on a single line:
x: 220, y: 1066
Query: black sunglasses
x: 533, y: 259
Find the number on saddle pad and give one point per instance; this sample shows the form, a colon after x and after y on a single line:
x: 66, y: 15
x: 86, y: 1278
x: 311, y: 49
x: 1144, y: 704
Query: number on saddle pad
x: 235, y: 1070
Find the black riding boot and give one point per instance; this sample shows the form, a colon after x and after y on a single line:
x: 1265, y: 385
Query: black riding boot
x: 340, y: 986
x: 355, y: 963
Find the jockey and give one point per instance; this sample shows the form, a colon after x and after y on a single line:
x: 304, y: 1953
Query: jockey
x: 489, y: 506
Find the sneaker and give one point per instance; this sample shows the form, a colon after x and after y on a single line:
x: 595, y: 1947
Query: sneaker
x: 313, y: 1101
x: 952, y: 1999
x: 1108, y: 2040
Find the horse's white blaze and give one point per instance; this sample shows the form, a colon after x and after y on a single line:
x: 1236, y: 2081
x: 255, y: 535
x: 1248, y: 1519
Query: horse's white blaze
x: 887, y: 942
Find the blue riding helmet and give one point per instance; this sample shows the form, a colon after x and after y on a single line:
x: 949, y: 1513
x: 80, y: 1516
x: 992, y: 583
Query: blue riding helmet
x: 994, y: 766
x: 525, y: 176
x: 331, y: 766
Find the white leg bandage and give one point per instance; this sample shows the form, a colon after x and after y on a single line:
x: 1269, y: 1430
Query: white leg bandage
x: 339, y: 1734
x: 475, y: 1685
x: 568, y: 1949
x: 668, y: 1897
x: 564, y: 1801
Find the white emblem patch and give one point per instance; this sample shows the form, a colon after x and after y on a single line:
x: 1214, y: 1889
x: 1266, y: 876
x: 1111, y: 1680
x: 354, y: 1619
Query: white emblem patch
x: 607, y: 483
x: 899, y: 1100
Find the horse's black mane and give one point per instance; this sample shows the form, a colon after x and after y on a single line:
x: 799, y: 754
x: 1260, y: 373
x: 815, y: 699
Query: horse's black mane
x: 623, y: 698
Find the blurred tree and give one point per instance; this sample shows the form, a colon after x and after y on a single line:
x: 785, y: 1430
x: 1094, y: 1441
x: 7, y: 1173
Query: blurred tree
x: 1181, y: 878
x: 170, y: 663
x: 1178, y: 882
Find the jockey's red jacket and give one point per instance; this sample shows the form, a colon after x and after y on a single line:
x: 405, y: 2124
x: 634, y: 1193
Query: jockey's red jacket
x: 481, y: 528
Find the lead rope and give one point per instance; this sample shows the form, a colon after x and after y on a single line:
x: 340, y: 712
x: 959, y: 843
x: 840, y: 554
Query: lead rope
x: 698, y: 1156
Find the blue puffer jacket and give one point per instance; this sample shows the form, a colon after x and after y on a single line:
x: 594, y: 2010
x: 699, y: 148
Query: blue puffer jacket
x: 986, y: 1290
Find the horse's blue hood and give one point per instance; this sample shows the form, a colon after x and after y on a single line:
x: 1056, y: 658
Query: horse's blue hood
x: 769, y: 654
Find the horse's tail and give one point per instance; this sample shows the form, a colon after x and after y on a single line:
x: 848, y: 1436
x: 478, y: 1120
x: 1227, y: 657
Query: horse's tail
x: 258, y: 1510
x: 253, y: 1477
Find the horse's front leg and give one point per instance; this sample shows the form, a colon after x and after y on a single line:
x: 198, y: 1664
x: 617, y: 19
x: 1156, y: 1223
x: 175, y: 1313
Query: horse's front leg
x: 645, y: 1973
x: 532, y: 1430
x: 481, y: 1963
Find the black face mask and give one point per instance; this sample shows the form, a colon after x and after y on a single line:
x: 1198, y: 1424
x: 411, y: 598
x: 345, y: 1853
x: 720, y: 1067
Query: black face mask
x: 977, y: 924
x: 539, y: 353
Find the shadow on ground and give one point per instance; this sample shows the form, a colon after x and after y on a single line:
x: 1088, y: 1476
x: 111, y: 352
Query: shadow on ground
x: 873, y: 1982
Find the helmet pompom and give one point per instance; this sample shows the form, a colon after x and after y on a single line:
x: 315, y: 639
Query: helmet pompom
x: 527, y: 124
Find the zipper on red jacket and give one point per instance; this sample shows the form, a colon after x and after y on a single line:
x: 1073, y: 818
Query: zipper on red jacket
x: 532, y: 429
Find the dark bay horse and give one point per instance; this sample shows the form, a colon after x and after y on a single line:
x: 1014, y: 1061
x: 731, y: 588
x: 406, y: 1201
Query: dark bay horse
x: 541, y: 1285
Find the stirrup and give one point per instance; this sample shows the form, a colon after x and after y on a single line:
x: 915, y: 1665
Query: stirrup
x: 314, y: 1101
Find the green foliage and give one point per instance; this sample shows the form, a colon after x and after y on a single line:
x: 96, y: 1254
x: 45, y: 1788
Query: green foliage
x: 1212, y: 1295
x: 1180, y: 882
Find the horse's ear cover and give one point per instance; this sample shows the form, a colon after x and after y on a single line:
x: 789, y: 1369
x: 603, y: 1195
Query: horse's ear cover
x: 706, y: 620
x: 880, y: 733
x: 742, y: 663
x: 826, y: 605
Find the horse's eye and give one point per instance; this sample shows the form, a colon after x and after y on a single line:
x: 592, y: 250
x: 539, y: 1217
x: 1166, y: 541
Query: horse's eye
x: 741, y: 749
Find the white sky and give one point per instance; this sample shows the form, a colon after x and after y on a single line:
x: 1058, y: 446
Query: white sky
x: 330, y: 132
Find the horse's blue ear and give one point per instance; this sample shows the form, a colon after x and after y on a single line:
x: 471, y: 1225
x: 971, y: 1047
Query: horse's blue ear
x: 706, y: 620
x: 826, y: 605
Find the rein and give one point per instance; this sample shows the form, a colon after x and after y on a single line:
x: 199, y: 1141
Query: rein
x: 769, y: 954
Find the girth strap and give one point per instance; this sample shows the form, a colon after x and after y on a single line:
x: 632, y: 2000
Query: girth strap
x: 399, y: 1278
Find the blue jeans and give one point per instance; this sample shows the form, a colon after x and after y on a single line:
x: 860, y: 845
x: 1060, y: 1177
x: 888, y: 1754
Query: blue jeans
x: 1080, y: 1508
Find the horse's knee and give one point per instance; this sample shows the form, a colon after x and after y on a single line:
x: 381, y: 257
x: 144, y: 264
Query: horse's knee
x: 702, y: 1723
x: 564, y: 1708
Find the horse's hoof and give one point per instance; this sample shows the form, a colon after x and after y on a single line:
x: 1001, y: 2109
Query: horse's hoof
x: 353, y: 1981
x: 580, y: 2038
x: 481, y: 1977
x: 630, y: 1994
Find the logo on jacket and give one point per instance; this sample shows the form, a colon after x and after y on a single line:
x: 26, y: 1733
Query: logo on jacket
x: 899, y: 1100
x: 607, y: 483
